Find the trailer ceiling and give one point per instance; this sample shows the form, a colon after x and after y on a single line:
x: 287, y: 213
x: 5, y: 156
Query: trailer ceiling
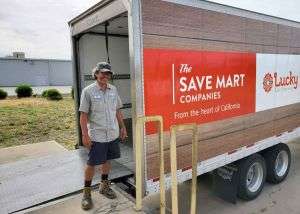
x: 102, y: 12
x: 118, y: 25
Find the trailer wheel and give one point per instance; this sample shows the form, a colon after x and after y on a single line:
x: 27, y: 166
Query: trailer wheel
x: 278, y: 160
x: 252, y: 177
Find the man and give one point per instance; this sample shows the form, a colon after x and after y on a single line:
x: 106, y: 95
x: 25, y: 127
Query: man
x: 102, y: 127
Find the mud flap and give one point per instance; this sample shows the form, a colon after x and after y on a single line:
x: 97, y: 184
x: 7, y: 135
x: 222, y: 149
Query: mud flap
x: 225, y: 182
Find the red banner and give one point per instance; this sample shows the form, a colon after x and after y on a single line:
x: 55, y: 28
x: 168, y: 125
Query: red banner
x: 198, y: 86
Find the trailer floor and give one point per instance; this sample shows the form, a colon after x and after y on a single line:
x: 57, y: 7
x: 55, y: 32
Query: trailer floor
x: 31, y: 182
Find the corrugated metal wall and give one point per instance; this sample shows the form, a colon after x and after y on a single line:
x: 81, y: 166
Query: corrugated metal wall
x: 37, y: 72
x: 93, y: 50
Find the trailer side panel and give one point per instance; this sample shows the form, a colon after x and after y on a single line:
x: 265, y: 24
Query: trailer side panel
x: 181, y: 29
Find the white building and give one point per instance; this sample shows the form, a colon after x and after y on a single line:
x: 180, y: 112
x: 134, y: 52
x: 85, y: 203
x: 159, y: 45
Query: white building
x: 36, y: 72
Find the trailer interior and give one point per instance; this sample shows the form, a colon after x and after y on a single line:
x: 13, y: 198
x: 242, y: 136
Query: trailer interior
x: 108, y: 42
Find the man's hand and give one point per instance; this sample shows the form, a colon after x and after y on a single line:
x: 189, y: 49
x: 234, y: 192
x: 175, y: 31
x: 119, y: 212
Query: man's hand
x: 86, y: 141
x: 123, y: 134
x: 85, y: 136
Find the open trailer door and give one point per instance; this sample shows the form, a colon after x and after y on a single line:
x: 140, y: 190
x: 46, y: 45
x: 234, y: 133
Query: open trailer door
x: 110, y: 31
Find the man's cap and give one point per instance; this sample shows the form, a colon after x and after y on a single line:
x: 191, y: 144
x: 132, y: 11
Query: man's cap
x: 102, y: 67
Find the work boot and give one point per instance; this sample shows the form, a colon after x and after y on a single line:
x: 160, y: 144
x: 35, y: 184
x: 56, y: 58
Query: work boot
x: 86, y: 202
x: 106, y: 190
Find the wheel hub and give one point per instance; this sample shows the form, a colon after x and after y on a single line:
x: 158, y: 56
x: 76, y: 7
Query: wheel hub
x: 281, y: 163
x: 254, y: 177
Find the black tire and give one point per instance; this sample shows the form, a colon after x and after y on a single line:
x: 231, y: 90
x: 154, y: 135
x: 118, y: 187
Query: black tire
x: 244, y: 191
x: 270, y: 156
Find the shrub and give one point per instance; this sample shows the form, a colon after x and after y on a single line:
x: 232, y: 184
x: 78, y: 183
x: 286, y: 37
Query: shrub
x: 3, y: 94
x: 53, y: 94
x: 44, y: 93
x: 23, y: 90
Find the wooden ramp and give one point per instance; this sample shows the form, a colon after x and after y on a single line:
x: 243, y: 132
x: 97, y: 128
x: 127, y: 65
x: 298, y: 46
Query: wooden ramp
x: 28, y: 183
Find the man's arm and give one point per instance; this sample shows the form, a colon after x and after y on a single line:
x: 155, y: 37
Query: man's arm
x: 84, y: 108
x: 84, y: 130
x: 123, y: 132
x: 83, y: 123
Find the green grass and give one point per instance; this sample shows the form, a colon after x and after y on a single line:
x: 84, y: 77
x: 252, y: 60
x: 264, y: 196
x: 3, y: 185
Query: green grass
x: 33, y: 120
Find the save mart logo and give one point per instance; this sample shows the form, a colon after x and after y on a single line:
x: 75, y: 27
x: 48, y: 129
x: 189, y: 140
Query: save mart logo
x: 186, y: 86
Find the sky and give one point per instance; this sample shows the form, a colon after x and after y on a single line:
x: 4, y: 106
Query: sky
x: 39, y: 27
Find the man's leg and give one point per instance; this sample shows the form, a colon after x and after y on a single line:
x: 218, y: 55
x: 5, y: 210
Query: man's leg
x: 89, y: 173
x: 105, y: 168
x: 86, y: 202
x: 105, y: 184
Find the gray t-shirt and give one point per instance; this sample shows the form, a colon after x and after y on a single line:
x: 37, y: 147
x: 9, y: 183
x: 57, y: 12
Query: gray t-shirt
x: 101, y: 107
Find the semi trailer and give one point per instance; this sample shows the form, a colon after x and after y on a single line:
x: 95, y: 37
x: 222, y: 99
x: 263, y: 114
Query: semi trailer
x: 235, y: 73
